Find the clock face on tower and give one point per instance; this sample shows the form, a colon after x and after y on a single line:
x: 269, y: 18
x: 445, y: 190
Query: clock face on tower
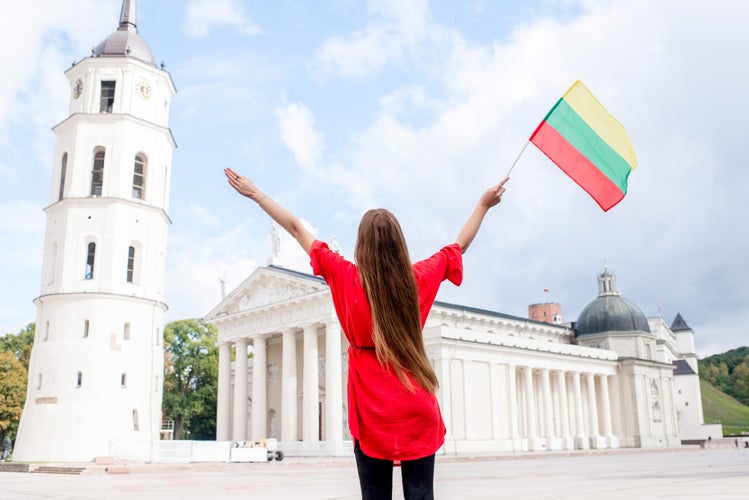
x: 77, y: 89
x: 143, y: 89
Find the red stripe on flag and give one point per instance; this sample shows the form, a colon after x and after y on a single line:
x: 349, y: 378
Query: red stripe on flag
x: 578, y: 167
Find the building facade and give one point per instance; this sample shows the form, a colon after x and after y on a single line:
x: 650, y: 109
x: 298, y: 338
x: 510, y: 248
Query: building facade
x: 96, y: 367
x: 507, y: 383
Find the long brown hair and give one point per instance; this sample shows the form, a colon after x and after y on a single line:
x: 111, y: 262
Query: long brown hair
x: 390, y: 285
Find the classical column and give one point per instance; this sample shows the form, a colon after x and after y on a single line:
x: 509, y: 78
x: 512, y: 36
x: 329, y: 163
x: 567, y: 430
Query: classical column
x: 288, y: 387
x: 564, y: 418
x: 530, y: 404
x: 513, y: 392
x: 223, y: 406
x: 259, y: 389
x: 333, y: 384
x: 548, y: 409
x: 592, y: 405
x: 580, y: 441
x: 239, y: 423
x: 310, y: 410
x: 606, y: 406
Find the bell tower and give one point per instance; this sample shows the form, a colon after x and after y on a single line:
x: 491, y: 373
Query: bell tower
x: 96, y: 368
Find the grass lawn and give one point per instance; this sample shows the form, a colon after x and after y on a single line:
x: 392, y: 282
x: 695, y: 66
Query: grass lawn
x: 718, y: 406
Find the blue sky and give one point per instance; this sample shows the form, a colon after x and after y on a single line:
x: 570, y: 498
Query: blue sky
x: 334, y: 107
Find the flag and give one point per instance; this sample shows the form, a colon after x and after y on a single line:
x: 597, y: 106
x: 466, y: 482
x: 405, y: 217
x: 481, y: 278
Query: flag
x: 588, y: 144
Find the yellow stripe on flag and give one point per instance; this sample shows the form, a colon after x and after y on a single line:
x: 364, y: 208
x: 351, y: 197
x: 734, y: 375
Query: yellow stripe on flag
x: 595, y: 115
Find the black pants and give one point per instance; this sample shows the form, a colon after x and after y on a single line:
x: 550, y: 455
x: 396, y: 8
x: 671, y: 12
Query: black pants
x: 376, y: 477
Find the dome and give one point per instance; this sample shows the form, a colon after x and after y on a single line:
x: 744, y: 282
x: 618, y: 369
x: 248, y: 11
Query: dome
x: 610, y: 312
x: 125, y: 42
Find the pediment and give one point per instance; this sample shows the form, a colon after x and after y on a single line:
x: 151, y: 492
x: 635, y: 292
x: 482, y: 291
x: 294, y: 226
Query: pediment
x: 268, y: 287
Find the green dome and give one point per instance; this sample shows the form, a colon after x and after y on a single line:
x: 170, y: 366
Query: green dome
x: 610, y: 312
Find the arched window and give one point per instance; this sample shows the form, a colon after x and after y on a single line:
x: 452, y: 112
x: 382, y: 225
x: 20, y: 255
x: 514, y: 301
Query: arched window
x: 63, y: 171
x: 79, y: 381
x: 90, y: 256
x: 39, y: 382
x: 136, y: 425
x: 126, y: 332
x: 86, y: 326
x: 139, y: 177
x: 123, y: 380
x: 130, y: 263
x: 97, y: 173
x: 107, y: 96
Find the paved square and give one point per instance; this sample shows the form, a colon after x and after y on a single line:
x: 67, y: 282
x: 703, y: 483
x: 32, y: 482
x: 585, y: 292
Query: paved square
x: 684, y: 473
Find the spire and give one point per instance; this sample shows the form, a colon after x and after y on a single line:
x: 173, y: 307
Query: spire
x: 607, y: 283
x: 128, y: 16
x: 679, y: 324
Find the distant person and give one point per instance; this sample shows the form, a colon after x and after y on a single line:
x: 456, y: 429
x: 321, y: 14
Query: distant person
x: 736, y: 442
x: 382, y: 302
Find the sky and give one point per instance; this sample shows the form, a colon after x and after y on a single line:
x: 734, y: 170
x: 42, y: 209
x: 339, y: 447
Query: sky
x: 334, y: 107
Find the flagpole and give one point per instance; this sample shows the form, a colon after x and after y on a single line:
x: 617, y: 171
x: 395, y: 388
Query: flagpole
x: 516, y: 159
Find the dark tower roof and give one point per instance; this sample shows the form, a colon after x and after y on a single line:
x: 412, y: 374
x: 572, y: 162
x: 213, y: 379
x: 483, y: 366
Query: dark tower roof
x: 125, y: 42
x: 610, y: 312
x: 679, y: 325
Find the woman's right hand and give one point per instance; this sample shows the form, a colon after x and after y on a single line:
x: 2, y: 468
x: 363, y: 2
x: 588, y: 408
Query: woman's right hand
x: 243, y: 185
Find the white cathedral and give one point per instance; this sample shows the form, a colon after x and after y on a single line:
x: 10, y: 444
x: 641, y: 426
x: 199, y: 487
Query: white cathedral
x: 611, y: 379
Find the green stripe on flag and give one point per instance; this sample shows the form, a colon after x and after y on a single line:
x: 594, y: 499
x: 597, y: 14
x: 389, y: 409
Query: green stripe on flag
x: 578, y: 133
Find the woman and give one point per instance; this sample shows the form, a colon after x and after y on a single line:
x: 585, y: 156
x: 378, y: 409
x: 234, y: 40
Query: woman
x: 382, y: 302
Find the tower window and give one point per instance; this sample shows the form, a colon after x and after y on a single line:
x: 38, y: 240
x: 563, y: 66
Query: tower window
x: 136, y: 425
x: 85, y: 329
x: 107, y: 96
x: 63, y: 171
x: 90, y: 260
x: 123, y: 380
x: 130, y: 263
x: 39, y: 382
x: 46, y: 331
x: 139, y: 177
x: 97, y: 173
x: 79, y: 381
x: 126, y: 332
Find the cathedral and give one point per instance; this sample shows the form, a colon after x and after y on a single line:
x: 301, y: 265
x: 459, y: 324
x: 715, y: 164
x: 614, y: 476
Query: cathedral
x: 612, y: 379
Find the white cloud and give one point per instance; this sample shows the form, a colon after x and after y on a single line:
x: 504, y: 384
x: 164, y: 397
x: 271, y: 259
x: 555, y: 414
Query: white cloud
x: 202, y: 16
x: 297, y: 124
x: 395, y: 31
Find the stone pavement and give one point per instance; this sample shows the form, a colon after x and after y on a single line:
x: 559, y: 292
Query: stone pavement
x: 688, y: 472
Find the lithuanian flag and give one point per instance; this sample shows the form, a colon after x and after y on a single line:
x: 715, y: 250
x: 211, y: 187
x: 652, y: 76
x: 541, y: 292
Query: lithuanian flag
x: 585, y: 141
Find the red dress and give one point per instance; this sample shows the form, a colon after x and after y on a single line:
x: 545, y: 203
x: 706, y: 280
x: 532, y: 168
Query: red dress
x: 389, y: 421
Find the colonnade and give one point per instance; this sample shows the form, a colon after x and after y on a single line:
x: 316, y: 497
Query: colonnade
x: 553, y: 412
x: 232, y: 409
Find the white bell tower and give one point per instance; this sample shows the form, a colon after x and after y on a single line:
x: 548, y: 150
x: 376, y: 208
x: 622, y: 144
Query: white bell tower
x: 96, y: 369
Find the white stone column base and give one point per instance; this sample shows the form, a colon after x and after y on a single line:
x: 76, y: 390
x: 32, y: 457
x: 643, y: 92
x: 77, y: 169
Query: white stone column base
x: 598, y: 442
x: 535, y: 444
x: 613, y: 441
x: 581, y: 443
x: 554, y: 443
x: 568, y: 443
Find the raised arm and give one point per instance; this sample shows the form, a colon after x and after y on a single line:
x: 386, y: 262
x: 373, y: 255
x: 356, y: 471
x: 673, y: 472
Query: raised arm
x: 490, y: 198
x: 283, y: 217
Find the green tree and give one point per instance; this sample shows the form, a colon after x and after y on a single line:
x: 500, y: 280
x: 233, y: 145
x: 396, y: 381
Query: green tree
x: 12, y: 394
x: 20, y: 344
x: 190, y: 378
